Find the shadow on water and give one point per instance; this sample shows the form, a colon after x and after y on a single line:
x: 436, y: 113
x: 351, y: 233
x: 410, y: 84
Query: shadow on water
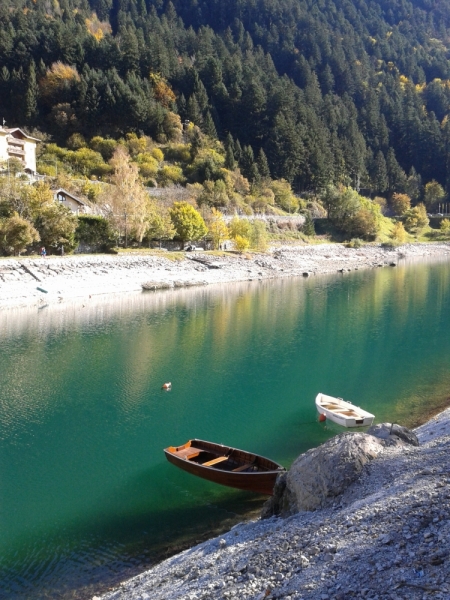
x: 125, y: 543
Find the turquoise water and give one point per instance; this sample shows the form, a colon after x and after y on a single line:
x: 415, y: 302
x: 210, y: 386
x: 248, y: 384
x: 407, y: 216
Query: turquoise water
x: 86, y: 496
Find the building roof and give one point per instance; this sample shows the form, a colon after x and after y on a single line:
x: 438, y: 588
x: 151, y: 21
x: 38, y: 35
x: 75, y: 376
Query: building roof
x: 10, y: 130
x: 66, y: 193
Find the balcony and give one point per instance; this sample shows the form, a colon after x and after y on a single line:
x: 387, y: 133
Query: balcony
x: 16, y: 150
x: 15, y: 141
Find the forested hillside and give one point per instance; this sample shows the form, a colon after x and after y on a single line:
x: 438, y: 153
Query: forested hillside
x: 334, y: 91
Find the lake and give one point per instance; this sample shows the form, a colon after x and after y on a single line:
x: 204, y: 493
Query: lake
x: 87, y: 498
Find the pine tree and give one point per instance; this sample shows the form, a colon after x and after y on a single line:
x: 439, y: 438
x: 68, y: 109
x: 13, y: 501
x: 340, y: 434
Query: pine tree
x: 208, y: 126
x: 31, y: 95
x: 263, y: 165
x: 308, y: 226
x: 379, y: 174
x: 230, y: 162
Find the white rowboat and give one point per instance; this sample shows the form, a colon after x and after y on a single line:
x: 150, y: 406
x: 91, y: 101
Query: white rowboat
x: 343, y: 413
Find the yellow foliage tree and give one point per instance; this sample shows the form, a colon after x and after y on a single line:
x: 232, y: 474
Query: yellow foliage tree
x: 400, y: 203
x: 58, y: 77
x: 218, y: 229
x: 127, y: 203
x: 161, y: 90
x: 445, y: 227
x: 136, y: 145
x: 416, y: 219
x: 241, y: 243
x: 398, y: 233
x: 240, y: 227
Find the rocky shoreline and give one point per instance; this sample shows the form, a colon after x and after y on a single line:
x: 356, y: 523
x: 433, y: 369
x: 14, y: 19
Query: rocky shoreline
x: 387, y: 536
x: 28, y: 282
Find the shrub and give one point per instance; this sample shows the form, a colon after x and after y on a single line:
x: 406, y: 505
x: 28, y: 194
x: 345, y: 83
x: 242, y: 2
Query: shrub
x: 157, y: 154
x: 16, y: 234
x: 178, y: 153
x: 95, y: 231
x: 355, y: 243
x: 308, y: 225
x: 445, y: 226
x: 416, y: 219
x: 171, y: 174
x: 241, y: 243
x: 398, y: 233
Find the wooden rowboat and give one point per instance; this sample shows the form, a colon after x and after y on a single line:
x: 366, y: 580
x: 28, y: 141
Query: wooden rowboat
x: 343, y: 413
x: 225, y: 465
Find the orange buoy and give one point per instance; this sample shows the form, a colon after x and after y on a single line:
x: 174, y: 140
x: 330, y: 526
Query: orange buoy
x: 167, y: 386
x: 322, y: 418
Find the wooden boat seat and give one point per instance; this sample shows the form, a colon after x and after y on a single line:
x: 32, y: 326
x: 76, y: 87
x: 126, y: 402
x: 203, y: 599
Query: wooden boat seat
x: 243, y: 467
x: 215, y: 461
x: 188, y: 453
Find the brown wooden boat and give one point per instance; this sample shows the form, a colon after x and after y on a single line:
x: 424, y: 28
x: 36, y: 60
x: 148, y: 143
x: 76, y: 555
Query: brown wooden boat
x: 225, y: 465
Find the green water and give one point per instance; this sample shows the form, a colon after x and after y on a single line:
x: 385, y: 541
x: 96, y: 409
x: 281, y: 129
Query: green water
x: 86, y: 496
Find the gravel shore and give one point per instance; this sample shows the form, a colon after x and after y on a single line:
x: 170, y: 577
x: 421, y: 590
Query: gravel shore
x: 28, y: 282
x: 386, y: 537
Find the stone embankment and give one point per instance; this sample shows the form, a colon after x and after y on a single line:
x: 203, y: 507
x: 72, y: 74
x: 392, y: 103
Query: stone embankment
x: 385, y: 536
x: 24, y: 282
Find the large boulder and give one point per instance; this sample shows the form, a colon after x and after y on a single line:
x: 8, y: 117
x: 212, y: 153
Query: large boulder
x: 394, y: 435
x: 321, y: 474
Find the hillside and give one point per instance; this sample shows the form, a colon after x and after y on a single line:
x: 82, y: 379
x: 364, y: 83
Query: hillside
x: 332, y: 91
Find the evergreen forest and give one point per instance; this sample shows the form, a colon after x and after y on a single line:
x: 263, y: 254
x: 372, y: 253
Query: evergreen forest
x: 324, y: 92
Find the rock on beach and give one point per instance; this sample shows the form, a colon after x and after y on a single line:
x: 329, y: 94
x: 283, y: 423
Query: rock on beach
x: 385, y: 536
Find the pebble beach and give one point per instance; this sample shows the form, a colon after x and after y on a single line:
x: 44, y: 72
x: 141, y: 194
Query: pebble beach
x: 386, y: 537
x: 32, y: 281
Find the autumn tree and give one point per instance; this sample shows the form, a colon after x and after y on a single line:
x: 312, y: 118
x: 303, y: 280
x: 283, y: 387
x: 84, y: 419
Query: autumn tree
x: 351, y: 213
x: 398, y: 233
x: 160, y: 226
x: 284, y: 198
x: 188, y: 222
x: 56, y: 225
x: 217, y: 227
x: 258, y: 235
x: 127, y: 202
x: 16, y: 234
x: 416, y: 219
x: 434, y: 193
x: 241, y: 243
x: 445, y: 227
x: 240, y: 227
x: 400, y: 203
x: 58, y: 81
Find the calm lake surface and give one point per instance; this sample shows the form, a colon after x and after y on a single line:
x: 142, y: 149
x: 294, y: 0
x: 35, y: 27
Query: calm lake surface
x: 86, y: 495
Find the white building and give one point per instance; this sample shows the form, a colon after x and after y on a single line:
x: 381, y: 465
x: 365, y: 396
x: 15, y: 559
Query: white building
x: 15, y: 143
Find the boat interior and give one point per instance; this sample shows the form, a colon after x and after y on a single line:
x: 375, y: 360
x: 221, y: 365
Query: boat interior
x: 339, y: 409
x: 233, y: 461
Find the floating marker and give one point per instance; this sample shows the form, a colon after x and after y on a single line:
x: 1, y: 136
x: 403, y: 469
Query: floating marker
x: 42, y: 290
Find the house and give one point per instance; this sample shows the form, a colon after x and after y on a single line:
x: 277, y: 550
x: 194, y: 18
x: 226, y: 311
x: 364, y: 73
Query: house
x: 75, y: 204
x: 15, y: 143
